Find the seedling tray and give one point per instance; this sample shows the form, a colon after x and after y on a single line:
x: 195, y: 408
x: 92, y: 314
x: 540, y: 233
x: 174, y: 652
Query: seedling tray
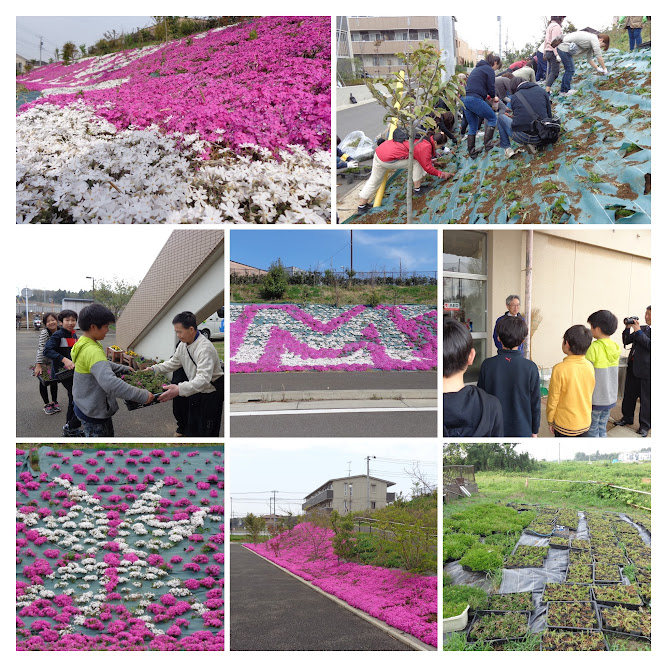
x: 46, y: 383
x: 493, y: 599
x: 607, y: 581
x: 617, y: 633
x: 558, y: 546
x: 571, y: 581
x: 63, y: 375
x: 133, y: 405
x: 588, y: 599
x: 522, y: 567
x: 497, y: 640
x: 590, y: 605
x: 578, y: 540
x: 613, y: 603
x: 590, y: 632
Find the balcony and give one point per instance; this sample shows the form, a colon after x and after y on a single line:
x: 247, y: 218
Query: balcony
x: 391, y: 497
x: 389, y: 47
x: 319, y: 498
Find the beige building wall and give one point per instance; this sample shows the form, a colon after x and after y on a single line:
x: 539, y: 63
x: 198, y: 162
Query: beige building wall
x: 575, y: 273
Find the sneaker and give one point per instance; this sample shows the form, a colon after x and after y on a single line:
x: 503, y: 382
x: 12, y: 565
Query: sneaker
x: 48, y: 409
x: 55, y: 406
x: 72, y: 432
x: 531, y: 149
x: 178, y: 435
x: 509, y: 152
x: 572, y: 91
x: 363, y: 208
x: 424, y: 187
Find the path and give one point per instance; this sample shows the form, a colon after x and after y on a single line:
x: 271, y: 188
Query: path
x: 272, y: 611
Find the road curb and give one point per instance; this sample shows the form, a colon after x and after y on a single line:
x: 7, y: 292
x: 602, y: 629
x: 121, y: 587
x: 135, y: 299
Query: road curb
x: 414, y: 643
x: 330, y: 395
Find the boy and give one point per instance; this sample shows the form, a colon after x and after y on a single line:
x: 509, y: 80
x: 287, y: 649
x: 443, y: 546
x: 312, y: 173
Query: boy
x: 58, y: 348
x: 515, y: 381
x: 604, y: 354
x: 570, y: 404
x: 95, y: 384
x: 467, y: 410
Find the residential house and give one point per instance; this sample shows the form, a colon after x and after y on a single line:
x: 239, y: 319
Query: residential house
x: 355, y: 493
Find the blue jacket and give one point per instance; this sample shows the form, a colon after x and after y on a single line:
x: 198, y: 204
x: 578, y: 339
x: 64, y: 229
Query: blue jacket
x: 538, y: 98
x: 481, y: 81
x: 515, y: 382
x: 496, y: 340
x: 59, y: 347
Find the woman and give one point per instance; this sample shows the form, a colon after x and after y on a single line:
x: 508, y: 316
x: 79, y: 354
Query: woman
x: 633, y: 24
x: 50, y: 327
x: 481, y: 85
x: 553, y: 37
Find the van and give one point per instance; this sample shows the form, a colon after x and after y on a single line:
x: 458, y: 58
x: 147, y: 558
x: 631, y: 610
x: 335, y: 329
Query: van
x: 213, y: 327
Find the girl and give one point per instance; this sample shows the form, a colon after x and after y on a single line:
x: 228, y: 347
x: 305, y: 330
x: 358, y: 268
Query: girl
x: 50, y: 326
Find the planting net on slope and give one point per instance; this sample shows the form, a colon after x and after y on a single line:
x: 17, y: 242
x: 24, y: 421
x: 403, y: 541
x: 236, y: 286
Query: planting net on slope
x: 599, y: 172
x: 154, y: 519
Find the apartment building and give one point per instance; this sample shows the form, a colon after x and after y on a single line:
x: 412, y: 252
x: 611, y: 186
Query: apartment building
x: 350, y: 494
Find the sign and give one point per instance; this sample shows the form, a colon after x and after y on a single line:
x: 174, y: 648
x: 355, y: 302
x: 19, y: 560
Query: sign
x: 454, y: 305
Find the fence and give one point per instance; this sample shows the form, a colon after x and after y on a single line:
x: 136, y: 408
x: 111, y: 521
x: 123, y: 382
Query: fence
x: 330, y: 277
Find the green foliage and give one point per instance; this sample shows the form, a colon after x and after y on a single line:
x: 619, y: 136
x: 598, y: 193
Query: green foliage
x: 68, y: 52
x: 413, y: 542
x: 374, y: 299
x: 456, y: 544
x: 456, y: 598
x: 343, y: 539
x: 146, y: 380
x: 254, y: 525
x: 114, y: 294
x: 274, y: 283
x: 483, y: 558
x: 252, y: 35
x: 485, y: 519
x: 488, y: 456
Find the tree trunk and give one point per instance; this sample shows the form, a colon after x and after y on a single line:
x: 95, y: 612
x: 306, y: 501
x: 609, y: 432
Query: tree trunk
x: 411, y: 160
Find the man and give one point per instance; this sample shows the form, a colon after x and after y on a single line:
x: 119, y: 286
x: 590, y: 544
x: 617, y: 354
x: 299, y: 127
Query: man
x: 522, y: 123
x: 197, y: 356
x: 513, y: 303
x: 638, y: 377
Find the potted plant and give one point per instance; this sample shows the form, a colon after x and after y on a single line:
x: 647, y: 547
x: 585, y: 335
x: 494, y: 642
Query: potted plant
x: 145, y: 380
x: 527, y: 556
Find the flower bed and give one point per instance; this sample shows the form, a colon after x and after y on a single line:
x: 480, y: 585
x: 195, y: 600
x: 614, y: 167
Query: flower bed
x: 120, y: 550
x: 405, y: 601
x: 220, y: 127
x: 286, y: 337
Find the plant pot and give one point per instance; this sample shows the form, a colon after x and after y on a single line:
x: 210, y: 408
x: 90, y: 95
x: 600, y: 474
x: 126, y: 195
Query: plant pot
x: 571, y: 581
x: 133, y: 405
x: 114, y: 355
x: 456, y: 623
x: 127, y: 359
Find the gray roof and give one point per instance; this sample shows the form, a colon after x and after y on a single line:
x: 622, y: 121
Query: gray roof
x: 338, y: 479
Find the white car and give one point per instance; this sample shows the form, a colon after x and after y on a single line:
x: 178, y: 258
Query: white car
x: 213, y: 327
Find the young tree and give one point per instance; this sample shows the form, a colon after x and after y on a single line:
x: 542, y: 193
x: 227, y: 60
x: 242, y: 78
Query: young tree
x: 114, y: 294
x: 343, y: 541
x: 413, y: 97
x: 275, y: 281
x: 82, y: 48
x: 254, y: 525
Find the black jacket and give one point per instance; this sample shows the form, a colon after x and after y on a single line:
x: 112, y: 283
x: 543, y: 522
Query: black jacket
x: 471, y: 412
x: 59, y: 346
x: 515, y: 381
x: 538, y: 99
x: 481, y: 81
x: 640, y: 354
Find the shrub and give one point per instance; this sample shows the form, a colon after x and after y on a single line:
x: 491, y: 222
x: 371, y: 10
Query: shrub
x: 483, y: 558
x: 274, y: 284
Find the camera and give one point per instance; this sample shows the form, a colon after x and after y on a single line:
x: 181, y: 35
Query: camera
x: 630, y: 320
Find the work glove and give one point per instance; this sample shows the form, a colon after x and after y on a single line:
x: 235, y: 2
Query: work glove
x: 352, y: 164
x: 558, y: 58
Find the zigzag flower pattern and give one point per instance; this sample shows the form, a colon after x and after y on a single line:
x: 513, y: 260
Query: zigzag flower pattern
x: 286, y: 337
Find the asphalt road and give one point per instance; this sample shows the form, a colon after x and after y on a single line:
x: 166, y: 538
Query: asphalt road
x: 334, y: 380
x: 156, y: 421
x: 272, y: 611
x: 364, y: 117
x: 389, y: 424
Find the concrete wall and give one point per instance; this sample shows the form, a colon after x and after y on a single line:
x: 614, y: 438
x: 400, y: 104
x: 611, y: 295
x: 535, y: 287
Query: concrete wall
x: 361, y: 93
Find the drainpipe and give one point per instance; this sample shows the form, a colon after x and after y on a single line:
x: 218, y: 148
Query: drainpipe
x: 392, y: 126
x: 528, y: 298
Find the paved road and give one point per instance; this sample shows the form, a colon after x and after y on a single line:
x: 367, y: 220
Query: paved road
x: 364, y: 117
x: 272, y: 611
x: 389, y: 424
x: 31, y: 422
x: 334, y: 380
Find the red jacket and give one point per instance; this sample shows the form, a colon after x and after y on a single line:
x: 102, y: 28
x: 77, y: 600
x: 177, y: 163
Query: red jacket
x: 390, y: 151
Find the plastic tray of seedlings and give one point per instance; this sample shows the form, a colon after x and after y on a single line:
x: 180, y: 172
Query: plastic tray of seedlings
x: 511, y: 602
x: 574, y: 640
x: 566, y: 593
x: 562, y: 531
x: 625, y: 622
x: 133, y: 405
x: 572, y: 616
x: 559, y: 542
x: 606, y: 573
x: 498, y: 627
x: 526, y: 556
x: 645, y: 592
x: 579, y: 574
x: 610, y: 555
x: 617, y: 595
x: 64, y: 374
x: 580, y: 557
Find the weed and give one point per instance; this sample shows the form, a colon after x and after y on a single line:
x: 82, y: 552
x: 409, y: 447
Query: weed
x: 548, y: 187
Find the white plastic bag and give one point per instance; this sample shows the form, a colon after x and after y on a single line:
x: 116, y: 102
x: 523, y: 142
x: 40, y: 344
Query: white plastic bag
x: 358, y: 146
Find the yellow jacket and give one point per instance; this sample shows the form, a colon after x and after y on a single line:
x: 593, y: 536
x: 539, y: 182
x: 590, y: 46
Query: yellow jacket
x: 570, y: 398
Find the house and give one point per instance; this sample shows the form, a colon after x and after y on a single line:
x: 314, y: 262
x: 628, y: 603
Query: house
x: 21, y: 62
x: 628, y: 457
x: 245, y: 269
x: 355, y: 493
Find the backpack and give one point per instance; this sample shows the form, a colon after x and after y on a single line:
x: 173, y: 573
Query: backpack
x: 547, y: 129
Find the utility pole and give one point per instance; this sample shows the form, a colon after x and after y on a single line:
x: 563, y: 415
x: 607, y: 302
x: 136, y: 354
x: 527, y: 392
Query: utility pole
x: 368, y: 481
x: 41, y: 44
x: 351, y: 262
x: 349, y: 468
x: 528, y: 295
x: 500, y: 36
x: 274, y: 508
x: 93, y: 279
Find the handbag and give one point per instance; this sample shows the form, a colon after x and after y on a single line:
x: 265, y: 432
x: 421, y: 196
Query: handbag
x: 547, y: 129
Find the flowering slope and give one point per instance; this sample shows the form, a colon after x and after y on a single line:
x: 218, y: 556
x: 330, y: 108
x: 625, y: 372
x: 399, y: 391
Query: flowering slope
x: 120, y: 551
x: 286, y: 337
x: 220, y: 127
x: 405, y: 601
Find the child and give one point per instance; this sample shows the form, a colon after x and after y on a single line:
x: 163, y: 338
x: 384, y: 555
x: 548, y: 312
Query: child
x: 50, y: 327
x: 570, y: 404
x: 515, y: 381
x: 95, y: 384
x: 467, y: 410
x: 604, y: 354
x: 58, y: 348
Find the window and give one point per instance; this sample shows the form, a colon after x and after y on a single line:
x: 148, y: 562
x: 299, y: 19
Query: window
x: 402, y: 36
x: 345, y: 489
x: 372, y: 504
x: 373, y: 488
x: 356, y: 36
x: 376, y: 61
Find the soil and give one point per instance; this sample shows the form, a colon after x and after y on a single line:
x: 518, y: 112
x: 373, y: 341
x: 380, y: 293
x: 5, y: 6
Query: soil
x: 624, y: 191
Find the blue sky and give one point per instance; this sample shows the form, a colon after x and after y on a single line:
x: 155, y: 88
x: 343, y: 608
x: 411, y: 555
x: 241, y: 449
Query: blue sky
x: 56, y: 30
x: 309, y: 249
x: 296, y: 468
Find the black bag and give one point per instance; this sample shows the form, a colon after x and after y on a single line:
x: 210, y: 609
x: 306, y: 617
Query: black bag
x: 547, y: 129
x: 399, y: 135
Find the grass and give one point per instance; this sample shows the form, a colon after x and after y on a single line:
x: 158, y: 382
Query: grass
x: 246, y: 539
x: 219, y: 345
x: 325, y: 294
